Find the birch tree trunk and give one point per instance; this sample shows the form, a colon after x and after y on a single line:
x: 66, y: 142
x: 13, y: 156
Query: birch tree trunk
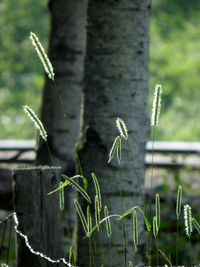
x: 66, y: 52
x: 116, y: 85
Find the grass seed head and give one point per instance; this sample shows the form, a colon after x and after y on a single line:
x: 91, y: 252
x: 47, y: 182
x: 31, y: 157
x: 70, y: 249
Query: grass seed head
x: 188, y: 220
x: 122, y: 128
x: 178, y: 202
x: 38, y: 124
x: 156, y: 105
x: 42, y: 55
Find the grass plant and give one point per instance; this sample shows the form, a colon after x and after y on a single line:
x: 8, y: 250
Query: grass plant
x: 96, y: 203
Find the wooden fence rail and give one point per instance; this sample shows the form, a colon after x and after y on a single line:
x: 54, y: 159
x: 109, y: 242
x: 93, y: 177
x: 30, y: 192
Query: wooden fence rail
x: 167, y: 155
x: 23, y: 152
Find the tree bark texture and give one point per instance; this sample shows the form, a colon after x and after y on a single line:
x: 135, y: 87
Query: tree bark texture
x: 38, y: 215
x: 116, y: 85
x: 66, y: 52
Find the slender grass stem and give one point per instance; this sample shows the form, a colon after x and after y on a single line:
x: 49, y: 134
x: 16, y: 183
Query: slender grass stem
x: 150, y: 203
x: 152, y: 172
x: 123, y: 223
x: 102, y: 248
x: 156, y: 248
x: 177, y: 235
x: 135, y: 171
x: 110, y: 253
x: 90, y: 252
x: 69, y: 127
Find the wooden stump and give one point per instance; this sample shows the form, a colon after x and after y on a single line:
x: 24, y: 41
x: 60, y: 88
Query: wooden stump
x: 38, y: 215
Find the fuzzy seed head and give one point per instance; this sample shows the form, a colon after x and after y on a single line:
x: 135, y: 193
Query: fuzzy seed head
x: 38, y: 124
x: 188, y: 220
x: 156, y: 105
x: 158, y: 210
x: 108, y: 223
x: 178, y: 202
x: 135, y: 230
x: 42, y: 55
x: 61, y: 197
x: 155, y: 226
x: 122, y: 128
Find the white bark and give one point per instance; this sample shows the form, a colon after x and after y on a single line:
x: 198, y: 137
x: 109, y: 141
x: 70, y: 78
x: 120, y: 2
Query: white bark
x: 116, y: 85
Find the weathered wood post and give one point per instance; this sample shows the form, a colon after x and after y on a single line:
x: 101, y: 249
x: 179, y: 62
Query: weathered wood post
x: 38, y: 215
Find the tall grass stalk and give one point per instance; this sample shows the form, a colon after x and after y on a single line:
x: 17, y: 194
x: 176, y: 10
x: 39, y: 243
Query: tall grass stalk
x: 117, y: 146
x: 123, y: 222
x: 42, y: 55
x: 135, y: 230
x: 188, y: 224
x: 155, y: 233
x: 154, y: 122
x: 87, y: 223
x: 49, y: 70
x: 178, y: 213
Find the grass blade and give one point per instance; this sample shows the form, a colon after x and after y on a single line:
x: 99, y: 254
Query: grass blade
x: 108, y: 224
x: 97, y: 188
x: 158, y: 210
x: 59, y: 188
x: 165, y: 257
x: 155, y: 226
x: 89, y: 221
x: 148, y: 225
x: 178, y: 202
x: 119, y: 150
x: 97, y: 212
x: 82, y: 217
x: 196, y: 224
x: 113, y: 148
x: 78, y: 187
x: 85, y: 182
x: 135, y: 230
x: 61, y: 197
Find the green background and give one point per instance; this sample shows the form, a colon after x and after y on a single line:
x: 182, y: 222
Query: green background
x: 174, y: 63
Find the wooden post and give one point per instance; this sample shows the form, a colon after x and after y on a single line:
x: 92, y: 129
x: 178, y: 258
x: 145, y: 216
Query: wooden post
x: 38, y: 215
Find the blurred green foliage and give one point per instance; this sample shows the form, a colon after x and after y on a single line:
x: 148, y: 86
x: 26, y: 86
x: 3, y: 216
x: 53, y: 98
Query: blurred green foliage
x: 20, y: 70
x: 174, y: 62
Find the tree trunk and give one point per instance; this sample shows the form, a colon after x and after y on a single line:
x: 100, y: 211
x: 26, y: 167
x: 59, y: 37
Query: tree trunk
x: 66, y: 52
x: 116, y: 85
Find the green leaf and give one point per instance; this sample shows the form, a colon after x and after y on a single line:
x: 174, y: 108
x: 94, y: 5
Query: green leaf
x: 97, y: 188
x: 114, y: 146
x: 108, y: 224
x: 78, y: 187
x: 59, y: 188
x: 196, y: 224
x: 81, y: 215
x: 148, y: 225
x: 165, y: 256
x: 85, y: 182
